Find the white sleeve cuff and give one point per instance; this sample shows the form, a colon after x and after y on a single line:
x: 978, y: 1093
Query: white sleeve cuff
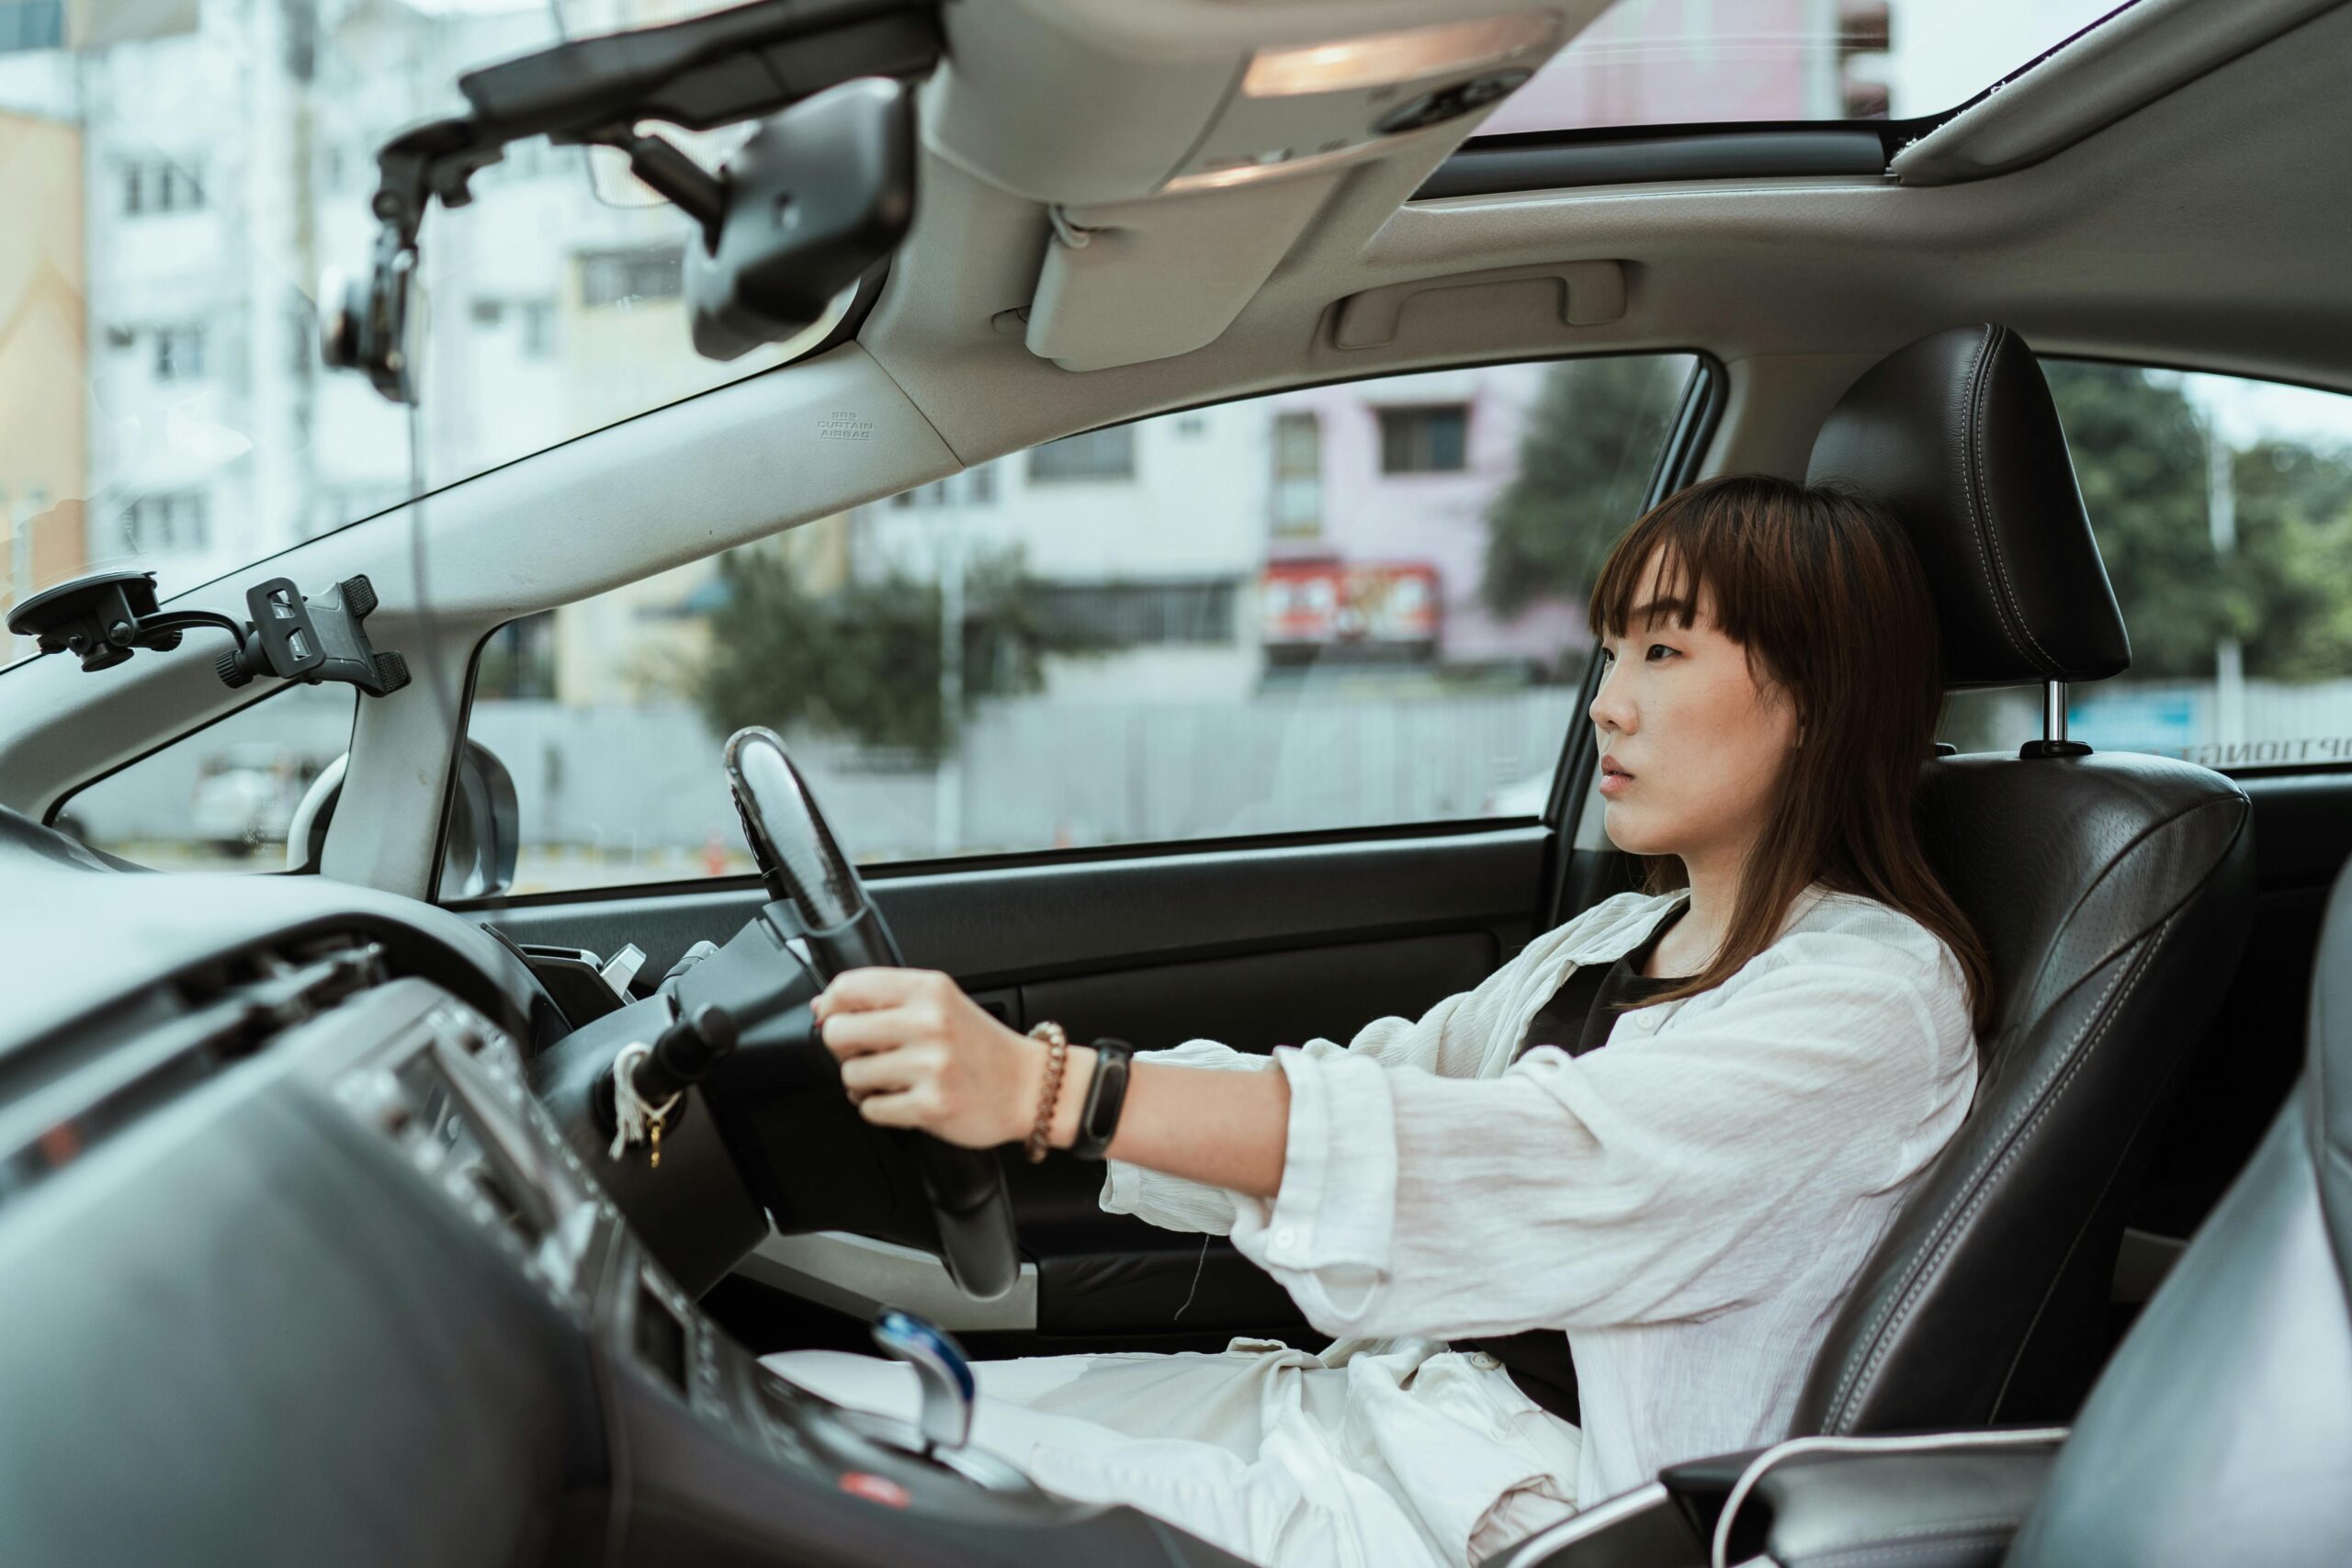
x: 1326, y: 1234
x: 1121, y: 1186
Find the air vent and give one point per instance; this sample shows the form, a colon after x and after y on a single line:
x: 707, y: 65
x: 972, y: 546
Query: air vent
x: 64, y: 1097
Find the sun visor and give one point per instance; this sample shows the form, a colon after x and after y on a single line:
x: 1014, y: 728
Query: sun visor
x: 1181, y: 147
x: 1152, y: 280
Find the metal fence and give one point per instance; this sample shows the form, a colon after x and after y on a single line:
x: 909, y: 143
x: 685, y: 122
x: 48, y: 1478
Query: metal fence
x: 615, y: 794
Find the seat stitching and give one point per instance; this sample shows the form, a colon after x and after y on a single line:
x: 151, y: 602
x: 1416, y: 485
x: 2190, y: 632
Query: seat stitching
x: 2029, y: 1109
x: 1900, y: 1307
x: 1983, y: 481
x: 2014, y: 1147
x: 2000, y: 562
x: 1968, y: 490
x: 2124, y: 852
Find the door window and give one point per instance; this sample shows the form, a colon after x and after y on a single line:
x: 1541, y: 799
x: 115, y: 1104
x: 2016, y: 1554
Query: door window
x: 1339, y: 607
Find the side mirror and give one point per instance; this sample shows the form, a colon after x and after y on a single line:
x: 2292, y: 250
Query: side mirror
x: 483, y: 836
x: 479, y: 852
x: 306, y: 835
x: 818, y: 195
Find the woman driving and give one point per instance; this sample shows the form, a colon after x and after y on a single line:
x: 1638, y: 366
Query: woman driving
x: 1589, y: 1219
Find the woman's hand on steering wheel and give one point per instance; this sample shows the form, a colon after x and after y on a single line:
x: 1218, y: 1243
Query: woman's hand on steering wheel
x: 917, y: 1053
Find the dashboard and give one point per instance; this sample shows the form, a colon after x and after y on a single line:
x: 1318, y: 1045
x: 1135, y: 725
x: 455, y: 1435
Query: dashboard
x: 296, y: 1267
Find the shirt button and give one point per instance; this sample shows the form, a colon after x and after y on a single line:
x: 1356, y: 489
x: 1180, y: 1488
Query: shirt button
x: 1284, y: 1236
x: 1483, y: 1361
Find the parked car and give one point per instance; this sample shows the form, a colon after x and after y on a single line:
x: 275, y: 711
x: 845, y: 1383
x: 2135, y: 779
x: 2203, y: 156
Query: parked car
x: 245, y: 796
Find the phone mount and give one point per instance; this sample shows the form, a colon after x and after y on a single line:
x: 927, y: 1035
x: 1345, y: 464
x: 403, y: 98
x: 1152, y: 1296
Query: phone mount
x: 100, y: 619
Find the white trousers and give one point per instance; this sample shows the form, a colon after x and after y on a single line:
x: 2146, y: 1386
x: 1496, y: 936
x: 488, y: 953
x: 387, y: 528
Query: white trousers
x: 1382, y: 1454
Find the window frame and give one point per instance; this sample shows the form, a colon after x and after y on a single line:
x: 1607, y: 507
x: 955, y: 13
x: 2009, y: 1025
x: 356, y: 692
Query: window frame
x: 1690, y: 432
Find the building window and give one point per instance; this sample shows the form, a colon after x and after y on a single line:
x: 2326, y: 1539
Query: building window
x: 975, y: 488
x: 611, y: 278
x: 1192, y: 426
x: 157, y: 184
x: 1298, y: 476
x: 1431, y: 439
x: 925, y: 496
x: 538, y: 328
x: 169, y: 522
x: 1097, y: 455
x: 488, y: 312
x: 179, y: 353
x: 26, y: 24
x: 1139, y: 614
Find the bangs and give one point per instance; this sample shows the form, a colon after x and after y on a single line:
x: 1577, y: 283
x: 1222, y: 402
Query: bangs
x: 1699, y: 548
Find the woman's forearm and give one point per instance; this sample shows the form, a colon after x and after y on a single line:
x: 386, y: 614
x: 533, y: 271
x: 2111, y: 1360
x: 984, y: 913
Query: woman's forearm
x: 1227, y: 1129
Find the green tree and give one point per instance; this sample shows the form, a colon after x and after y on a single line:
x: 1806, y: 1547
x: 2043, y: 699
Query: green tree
x: 863, y: 660
x: 2141, y: 452
x: 1585, y: 458
x: 2294, y: 506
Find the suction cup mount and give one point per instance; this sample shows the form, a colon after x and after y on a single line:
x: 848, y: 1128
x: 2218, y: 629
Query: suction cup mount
x: 101, y: 618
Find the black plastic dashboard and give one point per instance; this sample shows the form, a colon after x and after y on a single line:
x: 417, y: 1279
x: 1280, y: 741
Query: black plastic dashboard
x: 294, y: 1269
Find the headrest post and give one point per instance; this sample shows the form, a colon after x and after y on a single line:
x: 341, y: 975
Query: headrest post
x: 2054, y: 741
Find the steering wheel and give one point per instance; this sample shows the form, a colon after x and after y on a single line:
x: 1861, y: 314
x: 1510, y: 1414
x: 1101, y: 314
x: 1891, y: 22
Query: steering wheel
x: 803, y: 865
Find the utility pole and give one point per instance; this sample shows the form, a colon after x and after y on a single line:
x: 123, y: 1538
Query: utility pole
x: 947, y: 797
x: 2221, y: 514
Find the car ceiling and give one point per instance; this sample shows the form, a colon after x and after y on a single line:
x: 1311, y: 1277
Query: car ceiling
x: 2205, y: 228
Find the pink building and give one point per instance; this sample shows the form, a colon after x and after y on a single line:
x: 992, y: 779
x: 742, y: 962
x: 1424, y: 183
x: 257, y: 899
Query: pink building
x: 1385, y: 486
x: 1693, y: 61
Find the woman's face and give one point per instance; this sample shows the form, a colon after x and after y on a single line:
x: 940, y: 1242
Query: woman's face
x: 1690, y: 745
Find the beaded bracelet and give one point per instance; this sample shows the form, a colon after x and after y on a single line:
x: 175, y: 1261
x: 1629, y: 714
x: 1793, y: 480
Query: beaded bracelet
x: 1057, y: 1057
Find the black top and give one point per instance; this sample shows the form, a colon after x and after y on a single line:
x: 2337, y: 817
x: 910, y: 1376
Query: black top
x: 1578, y: 1019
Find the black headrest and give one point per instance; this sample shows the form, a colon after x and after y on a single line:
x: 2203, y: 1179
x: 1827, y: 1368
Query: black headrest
x: 1957, y: 436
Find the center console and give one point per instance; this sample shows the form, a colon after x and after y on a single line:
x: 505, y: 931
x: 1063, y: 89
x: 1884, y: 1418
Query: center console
x: 709, y: 1453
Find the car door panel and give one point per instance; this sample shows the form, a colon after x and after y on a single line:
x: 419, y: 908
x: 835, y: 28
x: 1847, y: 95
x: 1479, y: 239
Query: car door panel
x: 1025, y: 923
x: 1254, y: 945
x: 2238, y: 1076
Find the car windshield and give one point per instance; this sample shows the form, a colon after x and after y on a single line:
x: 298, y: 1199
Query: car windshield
x: 179, y: 176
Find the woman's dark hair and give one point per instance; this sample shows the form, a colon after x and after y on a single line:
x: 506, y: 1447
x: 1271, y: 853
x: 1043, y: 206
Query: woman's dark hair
x: 1823, y: 590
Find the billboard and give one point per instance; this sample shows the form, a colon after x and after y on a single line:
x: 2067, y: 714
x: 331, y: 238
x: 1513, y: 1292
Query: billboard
x: 1388, y: 607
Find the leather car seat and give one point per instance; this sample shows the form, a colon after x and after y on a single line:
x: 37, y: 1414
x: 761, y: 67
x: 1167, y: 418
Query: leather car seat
x: 2114, y: 893
x: 2222, y: 1432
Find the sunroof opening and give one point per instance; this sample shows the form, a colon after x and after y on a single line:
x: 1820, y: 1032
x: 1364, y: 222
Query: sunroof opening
x: 1718, y: 61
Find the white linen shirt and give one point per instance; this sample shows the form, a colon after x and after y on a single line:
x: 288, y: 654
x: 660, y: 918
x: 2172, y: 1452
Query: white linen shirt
x: 1690, y: 1204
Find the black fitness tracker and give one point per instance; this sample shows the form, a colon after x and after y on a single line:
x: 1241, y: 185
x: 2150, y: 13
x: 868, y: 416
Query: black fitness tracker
x: 1104, y: 1096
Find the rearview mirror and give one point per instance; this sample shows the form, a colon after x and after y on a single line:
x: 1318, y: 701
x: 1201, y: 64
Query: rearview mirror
x: 818, y: 195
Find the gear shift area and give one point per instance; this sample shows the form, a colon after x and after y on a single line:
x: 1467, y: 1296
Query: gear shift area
x: 948, y: 1387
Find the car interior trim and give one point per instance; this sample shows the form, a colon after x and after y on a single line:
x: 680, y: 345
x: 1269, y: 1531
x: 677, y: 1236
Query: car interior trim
x: 860, y: 1275
x: 1493, y: 166
x: 2095, y: 78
